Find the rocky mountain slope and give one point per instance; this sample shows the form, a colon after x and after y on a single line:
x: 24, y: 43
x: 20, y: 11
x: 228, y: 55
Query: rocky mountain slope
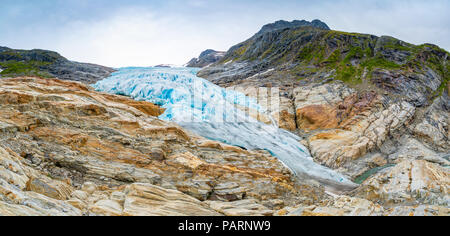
x: 366, y: 106
x: 48, y: 64
x: 67, y: 150
x: 294, y: 56
x: 206, y: 58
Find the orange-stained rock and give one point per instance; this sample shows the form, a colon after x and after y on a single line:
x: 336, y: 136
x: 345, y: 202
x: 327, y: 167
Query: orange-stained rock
x: 317, y: 117
x: 146, y: 107
x: 287, y: 121
x: 15, y: 98
x: 56, y: 190
x: 338, y: 147
x: 340, y: 115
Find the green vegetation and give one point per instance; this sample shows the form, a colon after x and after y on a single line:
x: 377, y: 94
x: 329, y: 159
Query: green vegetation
x: 353, y: 53
x: 395, y: 44
x: 380, y: 62
x: 335, y: 33
x: 24, y: 68
x: 349, y: 54
x: 307, y: 53
x: 334, y: 58
x: 349, y: 74
x: 240, y: 51
x: 445, y: 73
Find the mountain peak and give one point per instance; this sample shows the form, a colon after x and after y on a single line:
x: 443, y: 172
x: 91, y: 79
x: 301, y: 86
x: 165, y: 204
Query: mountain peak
x: 282, y: 24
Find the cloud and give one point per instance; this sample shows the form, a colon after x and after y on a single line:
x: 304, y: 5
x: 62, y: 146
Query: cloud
x: 142, y: 33
x: 134, y: 37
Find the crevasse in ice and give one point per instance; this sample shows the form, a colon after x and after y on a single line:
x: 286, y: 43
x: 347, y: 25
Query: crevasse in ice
x: 211, y: 111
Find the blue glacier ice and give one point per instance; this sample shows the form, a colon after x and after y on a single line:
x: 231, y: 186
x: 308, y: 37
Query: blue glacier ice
x: 211, y: 111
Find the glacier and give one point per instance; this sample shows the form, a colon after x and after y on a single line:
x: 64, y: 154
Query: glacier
x: 216, y: 113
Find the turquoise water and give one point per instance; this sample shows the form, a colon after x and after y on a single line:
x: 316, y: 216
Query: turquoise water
x: 371, y: 172
x: 210, y: 111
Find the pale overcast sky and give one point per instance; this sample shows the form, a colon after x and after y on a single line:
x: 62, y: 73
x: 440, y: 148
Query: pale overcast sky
x: 143, y: 33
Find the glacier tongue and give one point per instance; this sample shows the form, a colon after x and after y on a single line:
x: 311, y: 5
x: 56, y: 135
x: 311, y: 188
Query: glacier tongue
x: 211, y: 111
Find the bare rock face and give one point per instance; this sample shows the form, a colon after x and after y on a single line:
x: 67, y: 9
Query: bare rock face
x: 68, y: 150
x: 422, y: 210
x: 413, y: 149
x: 351, y: 206
x: 342, y: 125
x: 316, y: 105
x: 24, y: 191
x: 145, y: 199
x: 434, y: 128
x: 362, y: 137
x: 361, y: 133
x: 344, y: 206
x: 279, y: 108
x: 410, y: 182
x: 412, y: 86
x: 249, y: 207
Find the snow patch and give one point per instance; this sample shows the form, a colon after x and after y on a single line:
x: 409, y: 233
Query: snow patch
x: 228, y: 62
x: 262, y: 73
